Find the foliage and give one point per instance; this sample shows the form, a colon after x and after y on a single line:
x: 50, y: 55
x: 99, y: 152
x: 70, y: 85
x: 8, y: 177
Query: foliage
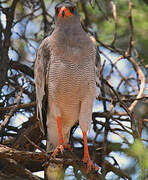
x: 139, y: 151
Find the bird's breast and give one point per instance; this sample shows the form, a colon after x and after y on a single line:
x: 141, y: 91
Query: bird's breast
x: 68, y: 80
x: 71, y: 72
x: 73, y: 54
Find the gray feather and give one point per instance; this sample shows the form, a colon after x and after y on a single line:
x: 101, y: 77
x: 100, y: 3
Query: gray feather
x: 40, y: 73
x: 66, y: 72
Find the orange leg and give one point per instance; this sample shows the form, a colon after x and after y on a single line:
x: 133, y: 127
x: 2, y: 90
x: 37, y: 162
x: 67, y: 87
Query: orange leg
x: 86, y: 158
x: 61, y: 145
x: 60, y: 130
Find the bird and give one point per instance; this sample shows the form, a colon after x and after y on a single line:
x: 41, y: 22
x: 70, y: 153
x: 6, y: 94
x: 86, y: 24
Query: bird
x: 65, y: 79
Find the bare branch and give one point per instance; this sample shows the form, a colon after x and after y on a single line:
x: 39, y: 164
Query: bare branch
x: 8, y: 116
x: 115, y: 20
x: 131, y: 28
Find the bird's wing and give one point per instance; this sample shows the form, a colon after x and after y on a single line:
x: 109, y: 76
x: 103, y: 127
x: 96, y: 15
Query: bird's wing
x: 97, y: 65
x: 97, y: 60
x: 42, y: 64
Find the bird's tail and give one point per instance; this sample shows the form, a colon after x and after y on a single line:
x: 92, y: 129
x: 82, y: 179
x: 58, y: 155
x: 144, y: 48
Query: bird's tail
x: 54, y: 172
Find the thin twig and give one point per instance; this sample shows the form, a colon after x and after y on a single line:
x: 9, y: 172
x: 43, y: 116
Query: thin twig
x: 142, y: 84
x: 36, y: 146
x: 131, y: 28
x: 115, y: 20
x: 10, y: 114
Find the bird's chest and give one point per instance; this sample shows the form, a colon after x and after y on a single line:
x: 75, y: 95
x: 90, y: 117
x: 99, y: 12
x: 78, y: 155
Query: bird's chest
x: 68, y: 80
x: 71, y: 52
x: 71, y: 73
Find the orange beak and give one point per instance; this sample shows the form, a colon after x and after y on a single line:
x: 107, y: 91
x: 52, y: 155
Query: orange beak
x: 64, y: 12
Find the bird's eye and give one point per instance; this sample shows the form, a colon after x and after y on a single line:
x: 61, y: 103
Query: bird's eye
x: 72, y: 9
x: 57, y: 10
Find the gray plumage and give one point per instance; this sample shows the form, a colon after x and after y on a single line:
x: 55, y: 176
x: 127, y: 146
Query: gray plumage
x: 65, y: 75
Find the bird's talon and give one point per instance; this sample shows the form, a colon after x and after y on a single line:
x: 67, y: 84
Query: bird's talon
x: 59, y: 147
x: 90, y: 164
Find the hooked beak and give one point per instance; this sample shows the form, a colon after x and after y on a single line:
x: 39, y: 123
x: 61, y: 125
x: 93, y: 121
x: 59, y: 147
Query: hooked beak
x: 64, y: 12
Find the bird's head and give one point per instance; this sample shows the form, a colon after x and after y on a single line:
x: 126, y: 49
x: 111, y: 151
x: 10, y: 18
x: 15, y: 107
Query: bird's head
x: 66, y: 11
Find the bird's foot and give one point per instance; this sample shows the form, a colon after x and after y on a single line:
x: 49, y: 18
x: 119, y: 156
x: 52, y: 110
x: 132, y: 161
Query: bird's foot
x: 58, y: 148
x: 61, y: 148
x: 90, y: 164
